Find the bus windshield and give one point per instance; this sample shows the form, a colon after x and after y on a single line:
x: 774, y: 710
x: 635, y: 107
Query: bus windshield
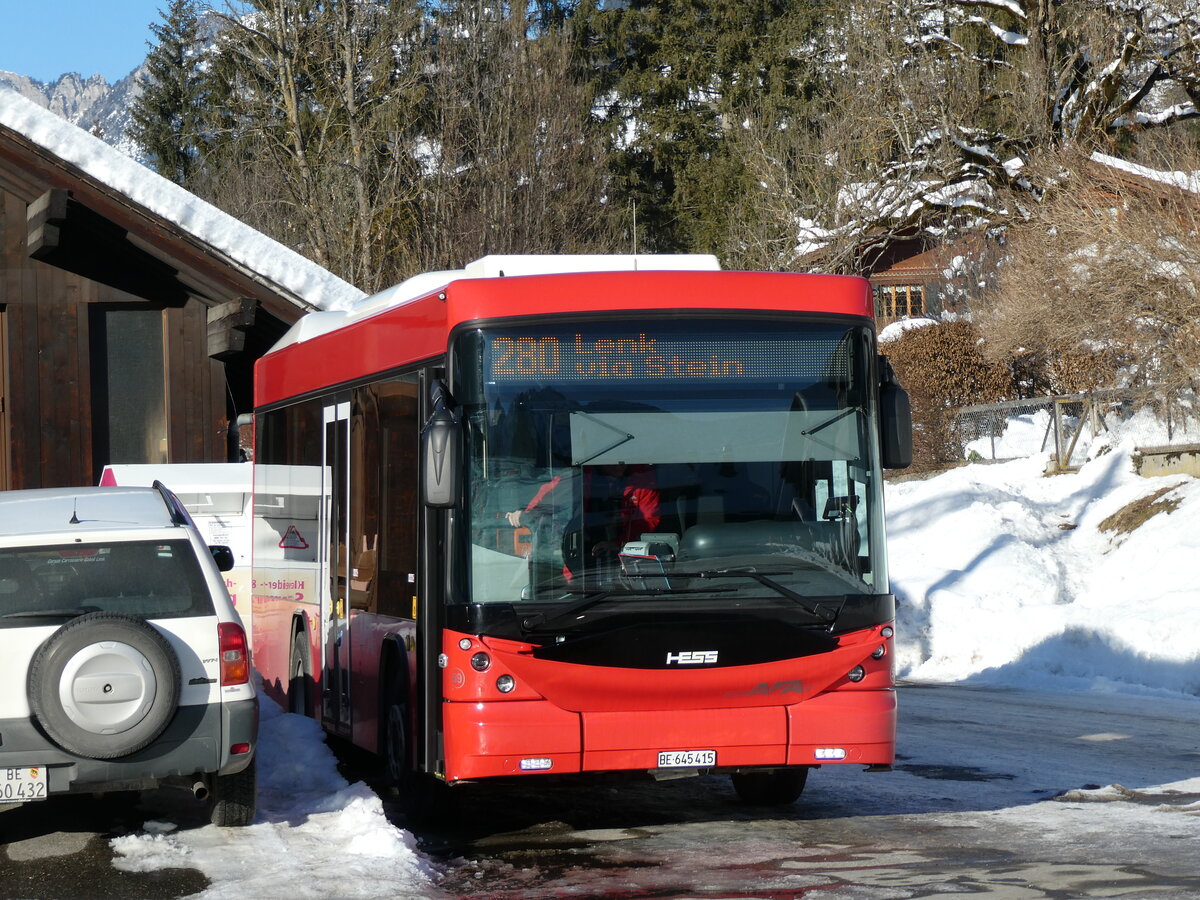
x: 670, y: 461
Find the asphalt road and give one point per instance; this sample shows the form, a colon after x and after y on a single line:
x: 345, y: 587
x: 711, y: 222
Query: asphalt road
x: 996, y: 792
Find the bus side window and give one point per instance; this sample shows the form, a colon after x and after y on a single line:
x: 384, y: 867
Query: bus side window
x: 397, y: 551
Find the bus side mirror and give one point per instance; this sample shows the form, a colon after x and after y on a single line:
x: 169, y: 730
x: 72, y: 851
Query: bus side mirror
x: 895, y: 420
x: 441, y: 457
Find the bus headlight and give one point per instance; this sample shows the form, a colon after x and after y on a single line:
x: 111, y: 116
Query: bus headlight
x: 480, y: 662
x: 858, y: 673
x: 505, y: 684
x: 830, y: 753
x: 878, y: 652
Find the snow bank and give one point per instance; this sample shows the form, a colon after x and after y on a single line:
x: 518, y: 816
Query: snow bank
x: 1004, y: 575
x: 314, y: 836
x: 894, y: 330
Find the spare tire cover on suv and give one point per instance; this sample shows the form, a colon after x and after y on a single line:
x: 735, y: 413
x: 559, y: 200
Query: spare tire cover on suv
x: 104, y: 685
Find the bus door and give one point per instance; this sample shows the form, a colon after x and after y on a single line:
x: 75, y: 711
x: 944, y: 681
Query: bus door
x: 334, y: 560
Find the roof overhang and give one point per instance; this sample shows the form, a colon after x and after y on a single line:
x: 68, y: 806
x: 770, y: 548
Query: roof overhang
x: 79, y: 224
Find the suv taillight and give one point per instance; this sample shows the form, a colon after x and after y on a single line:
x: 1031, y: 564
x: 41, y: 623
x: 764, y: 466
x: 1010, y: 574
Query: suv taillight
x: 235, y: 656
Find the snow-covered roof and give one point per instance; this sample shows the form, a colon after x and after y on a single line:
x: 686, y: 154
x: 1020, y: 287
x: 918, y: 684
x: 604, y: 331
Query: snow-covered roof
x: 898, y: 200
x: 256, y: 255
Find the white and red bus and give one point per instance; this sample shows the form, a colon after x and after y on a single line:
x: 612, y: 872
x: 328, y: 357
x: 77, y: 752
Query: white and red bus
x: 519, y: 522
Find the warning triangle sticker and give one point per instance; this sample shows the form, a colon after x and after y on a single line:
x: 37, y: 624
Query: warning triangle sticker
x: 293, y: 540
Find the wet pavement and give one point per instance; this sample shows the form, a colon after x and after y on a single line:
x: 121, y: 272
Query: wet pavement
x: 999, y: 793
x: 58, y: 849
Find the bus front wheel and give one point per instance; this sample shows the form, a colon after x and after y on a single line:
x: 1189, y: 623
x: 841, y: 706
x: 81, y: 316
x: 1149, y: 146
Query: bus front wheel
x: 395, y: 745
x: 421, y: 797
x: 777, y: 788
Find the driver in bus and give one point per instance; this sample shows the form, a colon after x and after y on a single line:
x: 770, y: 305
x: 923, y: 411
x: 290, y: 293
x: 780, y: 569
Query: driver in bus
x: 621, y: 503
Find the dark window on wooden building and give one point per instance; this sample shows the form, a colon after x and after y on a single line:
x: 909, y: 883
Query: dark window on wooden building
x: 129, y: 388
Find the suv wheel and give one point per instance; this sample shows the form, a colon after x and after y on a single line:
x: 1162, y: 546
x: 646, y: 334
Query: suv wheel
x: 105, y: 685
x: 232, y: 798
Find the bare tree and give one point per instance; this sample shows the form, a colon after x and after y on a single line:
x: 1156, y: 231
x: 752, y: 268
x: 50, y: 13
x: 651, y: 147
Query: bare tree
x: 931, y: 111
x: 514, y: 157
x: 315, y: 129
x: 1103, y: 279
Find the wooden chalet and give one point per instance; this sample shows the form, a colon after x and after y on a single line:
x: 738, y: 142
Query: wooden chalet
x: 910, y: 274
x: 125, y: 336
x: 905, y: 278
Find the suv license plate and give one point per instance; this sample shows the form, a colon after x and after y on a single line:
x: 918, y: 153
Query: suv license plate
x: 686, y: 759
x: 20, y: 784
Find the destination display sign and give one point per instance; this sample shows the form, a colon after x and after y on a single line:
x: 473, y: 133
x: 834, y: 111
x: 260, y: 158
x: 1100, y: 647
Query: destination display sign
x: 648, y: 356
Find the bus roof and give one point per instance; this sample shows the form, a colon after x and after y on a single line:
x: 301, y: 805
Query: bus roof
x: 493, y: 266
x: 411, y: 322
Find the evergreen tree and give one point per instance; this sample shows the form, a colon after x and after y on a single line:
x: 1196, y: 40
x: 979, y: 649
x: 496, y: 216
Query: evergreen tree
x: 166, y: 117
x: 683, y: 83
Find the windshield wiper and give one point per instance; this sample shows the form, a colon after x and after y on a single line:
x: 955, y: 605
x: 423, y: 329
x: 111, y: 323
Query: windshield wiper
x: 592, y: 597
x: 38, y: 613
x: 765, y: 579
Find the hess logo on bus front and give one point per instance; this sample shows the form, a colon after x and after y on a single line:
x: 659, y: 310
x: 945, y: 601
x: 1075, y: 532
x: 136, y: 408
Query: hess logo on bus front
x: 692, y: 658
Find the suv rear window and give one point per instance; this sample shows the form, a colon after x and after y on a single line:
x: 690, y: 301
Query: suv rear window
x: 148, y: 579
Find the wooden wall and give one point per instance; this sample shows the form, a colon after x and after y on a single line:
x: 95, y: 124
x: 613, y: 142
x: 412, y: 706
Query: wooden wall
x: 49, y: 370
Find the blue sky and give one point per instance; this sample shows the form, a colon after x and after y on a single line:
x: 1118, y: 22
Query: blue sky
x: 47, y: 38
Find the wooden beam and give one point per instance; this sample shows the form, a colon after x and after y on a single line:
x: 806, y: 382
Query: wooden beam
x: 241, y: 312
x: 43, y: 240
x: 43, y: 219
x: 227, y: 327
x: 66, y: 234
x: 49, y: 207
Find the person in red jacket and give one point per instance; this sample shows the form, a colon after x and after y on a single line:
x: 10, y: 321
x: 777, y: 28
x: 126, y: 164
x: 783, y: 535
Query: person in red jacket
x: 621, y: 503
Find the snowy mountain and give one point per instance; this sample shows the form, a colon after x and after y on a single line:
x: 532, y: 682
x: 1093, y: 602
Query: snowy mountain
x: 91, y: 103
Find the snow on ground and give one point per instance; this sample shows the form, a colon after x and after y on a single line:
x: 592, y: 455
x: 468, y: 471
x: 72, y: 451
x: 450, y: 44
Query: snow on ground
x: 314, y: 836
x: 894, y: 331
x: 1004, y: 576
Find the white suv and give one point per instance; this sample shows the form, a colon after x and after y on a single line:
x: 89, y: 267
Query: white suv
x: 123, y: 662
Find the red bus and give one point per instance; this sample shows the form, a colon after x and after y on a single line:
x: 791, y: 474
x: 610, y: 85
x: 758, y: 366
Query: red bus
x: 513, y: 524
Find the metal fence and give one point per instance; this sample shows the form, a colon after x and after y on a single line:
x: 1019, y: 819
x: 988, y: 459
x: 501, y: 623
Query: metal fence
x: 1066, y: 426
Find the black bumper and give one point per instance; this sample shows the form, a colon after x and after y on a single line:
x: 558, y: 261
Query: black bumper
x: 196, y: 742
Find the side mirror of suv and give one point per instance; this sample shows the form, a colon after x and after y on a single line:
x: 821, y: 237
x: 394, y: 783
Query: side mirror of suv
x: 223, y: 556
